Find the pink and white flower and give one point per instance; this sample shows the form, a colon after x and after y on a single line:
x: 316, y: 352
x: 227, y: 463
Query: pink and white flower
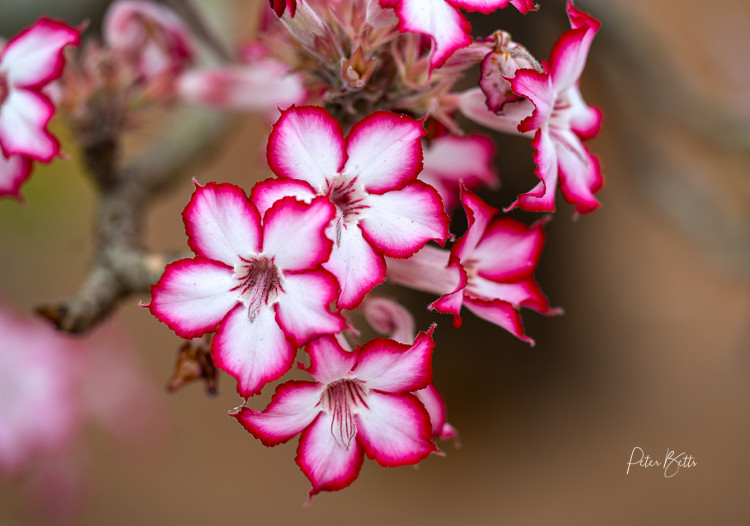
x: 562, y: 121
x: 52, y: 386
x: 370, y: 177
x: 442, y: 21
x: 489, y: 270
x: 151, y: 36
x: 29, y: 62
x: 360, y: 403
x: 262, y: 85
x: 40, y: 411
x: 258, y: 284
x: 554, y: 114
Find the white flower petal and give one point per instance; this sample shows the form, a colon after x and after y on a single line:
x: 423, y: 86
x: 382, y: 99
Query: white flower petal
x: 328, y: 361
x: 293, y: 407
x: 395, y: 367
x: 193, y: 296
x: 222, y: 224
x: 294, y: 233
x: 307, y: 144
x: 254, y: 352
x: 395, y: 430
x: 385, y: 151
x: 447, y: 27
x: 303, y: 310
x: 34, y: 57
x: 356, y: 265
x: 23, y: 126
x: 328, y: 465
x: 401, y: 222
x: 14, y: 170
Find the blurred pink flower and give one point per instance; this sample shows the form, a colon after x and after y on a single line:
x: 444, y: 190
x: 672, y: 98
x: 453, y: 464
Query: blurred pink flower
x: 53, y: 385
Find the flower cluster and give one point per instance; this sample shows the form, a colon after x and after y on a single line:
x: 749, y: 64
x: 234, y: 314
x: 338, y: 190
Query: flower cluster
x: 273, y: 271
x: 364, y: 188
x: 370, y: 162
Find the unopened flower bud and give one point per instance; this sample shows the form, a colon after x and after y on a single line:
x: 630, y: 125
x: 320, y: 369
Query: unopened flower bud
x: 357, y: 70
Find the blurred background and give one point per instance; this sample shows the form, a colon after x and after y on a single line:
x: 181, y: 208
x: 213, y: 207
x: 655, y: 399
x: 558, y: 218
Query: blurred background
x: 653, y: 350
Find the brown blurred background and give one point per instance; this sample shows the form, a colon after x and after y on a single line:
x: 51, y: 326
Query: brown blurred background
x: 653, y: 349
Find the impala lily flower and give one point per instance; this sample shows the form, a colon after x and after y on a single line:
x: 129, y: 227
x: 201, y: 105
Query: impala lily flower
x: 361, y: 403
x: 37, y: 368
x: 52, y: 386
x: 499, y: 257
x: 489, y: 269
x: 562, y: 121
x: 30, y: 61
x: 381, y: 209
x: 260, y: 85
x: 150, y: 35
x: 443, y: 23
x: 553, y: 112
x: 260, y: 286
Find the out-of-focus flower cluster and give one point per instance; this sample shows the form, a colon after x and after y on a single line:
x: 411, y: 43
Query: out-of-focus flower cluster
x: 370, y: 163
x: 52, y: 388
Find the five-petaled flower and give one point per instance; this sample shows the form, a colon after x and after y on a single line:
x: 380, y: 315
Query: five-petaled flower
x: 562, y: 120
x: 489, y: 270
x: 259, y: 285
x: 361, y: 403
x: 370, y: 177
x: 553, y: 113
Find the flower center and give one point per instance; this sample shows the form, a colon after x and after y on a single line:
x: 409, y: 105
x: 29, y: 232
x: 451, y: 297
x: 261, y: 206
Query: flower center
x: 4, y: 88
x: 350, y: 200
x: 341, y: 398
x: 258, y: 283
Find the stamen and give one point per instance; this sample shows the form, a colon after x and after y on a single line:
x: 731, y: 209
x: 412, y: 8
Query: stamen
x: 350, y: 201
x: 259, y: 282
x: 341, y: 398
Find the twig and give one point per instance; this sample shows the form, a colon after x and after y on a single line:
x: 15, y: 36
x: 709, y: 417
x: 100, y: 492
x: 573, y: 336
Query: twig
x: 121, y: 265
